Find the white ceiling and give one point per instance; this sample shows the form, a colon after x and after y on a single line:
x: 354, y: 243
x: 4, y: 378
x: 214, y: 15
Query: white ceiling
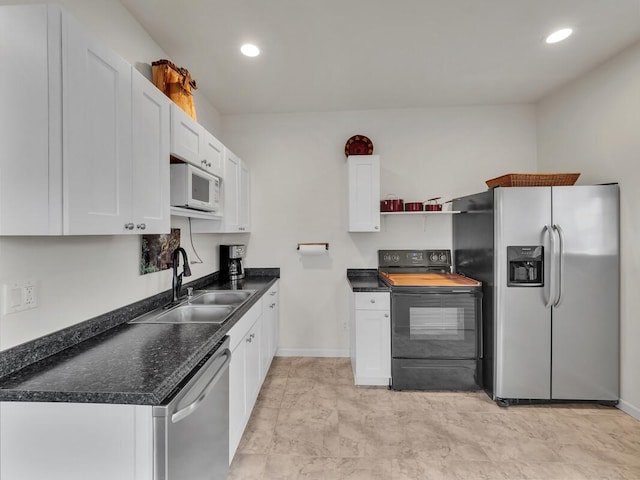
x: 327, y: 55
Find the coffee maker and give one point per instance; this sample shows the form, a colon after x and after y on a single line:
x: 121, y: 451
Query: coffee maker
x: 231, y: 262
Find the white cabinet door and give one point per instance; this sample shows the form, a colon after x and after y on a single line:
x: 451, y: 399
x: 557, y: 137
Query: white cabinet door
x: 30, y: 167
x: 96, y: 135
x: 244, y: 198
x: 231, y: 186
x: 151, y: 212
x: 271, y: 307
x: 371, y: 338
x: 212, y: 154
x: 266, y: 340
x: 364, y: 193
x: 192, y: 143
x: 75, y: 441
x: 237, y: 397
x: 253, y: 371
x: 185, y: 136
x: 373, y: 347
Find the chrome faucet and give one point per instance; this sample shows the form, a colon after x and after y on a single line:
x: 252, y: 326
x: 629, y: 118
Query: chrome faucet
x: 186, y: 271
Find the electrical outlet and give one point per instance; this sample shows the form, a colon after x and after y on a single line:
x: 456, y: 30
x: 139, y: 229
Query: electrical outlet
x: 29, y: 295
x: 19, y: 296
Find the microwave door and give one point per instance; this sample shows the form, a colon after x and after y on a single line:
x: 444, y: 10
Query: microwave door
x: 200, y: 190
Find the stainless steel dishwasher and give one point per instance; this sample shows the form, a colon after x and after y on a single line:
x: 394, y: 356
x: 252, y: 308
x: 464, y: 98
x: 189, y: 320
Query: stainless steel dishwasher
x: 191, y: 431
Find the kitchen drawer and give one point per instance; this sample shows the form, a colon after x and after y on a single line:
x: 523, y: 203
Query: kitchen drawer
x: 372, y: 301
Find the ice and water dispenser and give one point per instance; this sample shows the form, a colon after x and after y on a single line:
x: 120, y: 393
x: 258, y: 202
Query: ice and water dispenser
x: 526, y: 266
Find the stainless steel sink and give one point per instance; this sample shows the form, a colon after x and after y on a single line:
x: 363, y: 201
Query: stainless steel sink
x: 222, y: 297
x: 188, y: 314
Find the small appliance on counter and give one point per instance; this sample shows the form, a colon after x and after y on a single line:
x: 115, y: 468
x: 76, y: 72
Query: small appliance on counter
x: 231, y: 262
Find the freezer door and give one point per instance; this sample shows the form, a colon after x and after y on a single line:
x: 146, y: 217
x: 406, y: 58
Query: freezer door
x: 585, y: 320
x: 523, y: 322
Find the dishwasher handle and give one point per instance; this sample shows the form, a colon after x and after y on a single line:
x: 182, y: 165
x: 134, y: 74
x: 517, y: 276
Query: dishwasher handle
x: 192, y: 407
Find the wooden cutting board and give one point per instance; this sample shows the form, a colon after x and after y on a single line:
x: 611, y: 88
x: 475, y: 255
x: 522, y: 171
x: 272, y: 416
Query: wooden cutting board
x: 429, y: 280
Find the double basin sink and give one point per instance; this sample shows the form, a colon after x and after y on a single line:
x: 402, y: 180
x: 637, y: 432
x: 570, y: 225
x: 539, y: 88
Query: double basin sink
x: 205, y: 306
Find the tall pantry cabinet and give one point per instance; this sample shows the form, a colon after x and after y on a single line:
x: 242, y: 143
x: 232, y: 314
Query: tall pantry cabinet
x: 85, y: 149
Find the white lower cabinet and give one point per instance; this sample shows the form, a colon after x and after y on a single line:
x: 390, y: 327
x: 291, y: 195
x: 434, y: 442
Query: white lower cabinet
x: 370, y: 342
x: 75, y: 441
x: 270, y: 310
x: 251, y: 352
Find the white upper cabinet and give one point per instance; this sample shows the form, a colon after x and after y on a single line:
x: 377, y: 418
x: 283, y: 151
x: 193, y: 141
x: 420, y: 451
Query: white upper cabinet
x: 151, y: 115
x: 236, y: 187
x: 212, y: 154
x: 30, y: 152
x: 69, y: 161
x: 364, y: 193
x: 236, y: 194
x: 191, y: 143
x: 96, y: 129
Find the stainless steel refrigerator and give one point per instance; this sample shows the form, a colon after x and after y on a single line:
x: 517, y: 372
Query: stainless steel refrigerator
x: 548, y: 258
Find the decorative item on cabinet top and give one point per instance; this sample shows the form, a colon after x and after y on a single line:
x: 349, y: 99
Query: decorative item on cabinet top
x: 358, y: 145
x: 176, y: 83
x: 533, y: 180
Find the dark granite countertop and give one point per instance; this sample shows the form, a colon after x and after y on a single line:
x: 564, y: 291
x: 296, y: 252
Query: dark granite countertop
x: 365, y: 280
x: 127, y: 363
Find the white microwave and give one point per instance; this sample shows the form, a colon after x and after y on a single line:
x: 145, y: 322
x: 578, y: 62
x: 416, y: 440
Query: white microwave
x: 194, y: 188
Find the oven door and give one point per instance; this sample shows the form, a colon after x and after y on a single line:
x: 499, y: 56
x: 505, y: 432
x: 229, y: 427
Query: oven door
x: 438, y: 326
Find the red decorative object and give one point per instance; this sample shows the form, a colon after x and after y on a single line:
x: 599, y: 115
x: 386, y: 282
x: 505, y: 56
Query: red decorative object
x: 358, y: 145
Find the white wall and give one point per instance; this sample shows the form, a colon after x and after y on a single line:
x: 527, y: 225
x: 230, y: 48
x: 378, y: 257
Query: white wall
x: 299, y: 188
x: 80, y: 277
x: 591, y: 126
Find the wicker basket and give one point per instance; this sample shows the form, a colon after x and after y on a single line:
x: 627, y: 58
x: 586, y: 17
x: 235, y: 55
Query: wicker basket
x: 533, y: 180
x: 176, y: 83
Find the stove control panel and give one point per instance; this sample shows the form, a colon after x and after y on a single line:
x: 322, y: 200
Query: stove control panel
x: 414, y: 258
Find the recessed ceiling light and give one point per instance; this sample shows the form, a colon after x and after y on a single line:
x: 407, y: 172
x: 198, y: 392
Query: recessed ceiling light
x: 559, y: 35
x: 250, y: 50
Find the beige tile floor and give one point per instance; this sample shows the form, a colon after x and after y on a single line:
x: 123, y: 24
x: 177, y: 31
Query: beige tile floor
x: 310, y: 422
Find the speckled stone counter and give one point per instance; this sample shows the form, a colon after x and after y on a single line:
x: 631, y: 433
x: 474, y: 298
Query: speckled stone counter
x: 126, y: 363
x: 365, y: 280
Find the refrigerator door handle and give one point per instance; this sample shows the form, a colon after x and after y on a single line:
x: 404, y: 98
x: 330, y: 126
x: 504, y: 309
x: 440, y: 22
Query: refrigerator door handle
x: 552, y: 243
x: 560, y: 263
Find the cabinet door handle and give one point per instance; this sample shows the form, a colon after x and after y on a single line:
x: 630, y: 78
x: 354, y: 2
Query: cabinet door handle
x: 272, y: 305
x: 373, y: 300
x: 249, y: 339
x: 208, y: 164
x: 141, y: 226
x: 386, y: 315
x: 376, y: 227
x: 128, y: 226
x: 272, y: 293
